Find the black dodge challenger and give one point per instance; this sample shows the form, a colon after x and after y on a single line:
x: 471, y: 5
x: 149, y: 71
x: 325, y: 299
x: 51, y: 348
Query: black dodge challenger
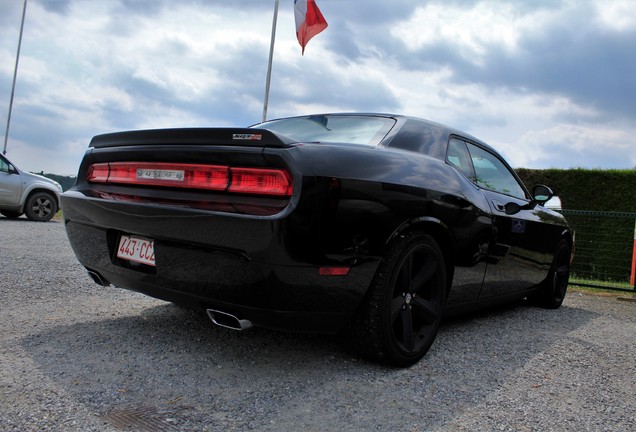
x: 371, y: 224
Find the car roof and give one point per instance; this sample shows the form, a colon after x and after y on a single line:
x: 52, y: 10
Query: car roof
x: 405, y: 135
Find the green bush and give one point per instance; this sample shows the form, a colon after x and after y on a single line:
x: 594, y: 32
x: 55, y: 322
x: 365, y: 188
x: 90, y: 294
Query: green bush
x: 581, y: 189
x: 601, y: 207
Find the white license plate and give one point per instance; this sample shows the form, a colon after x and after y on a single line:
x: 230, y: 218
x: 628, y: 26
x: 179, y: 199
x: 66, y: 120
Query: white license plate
x: 136, y: 249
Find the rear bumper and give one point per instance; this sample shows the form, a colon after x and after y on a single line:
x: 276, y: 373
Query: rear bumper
x: 247, y: 266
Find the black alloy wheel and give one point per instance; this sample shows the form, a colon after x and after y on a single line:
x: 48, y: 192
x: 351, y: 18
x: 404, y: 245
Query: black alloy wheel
x: 552, y: 291
x: 401, y: 315
x: 41, y: 206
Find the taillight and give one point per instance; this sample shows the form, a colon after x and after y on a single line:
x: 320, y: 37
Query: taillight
x: 192, y: 176
x: 263, y: 181
x: 98, y: 173
x: 260, y: 181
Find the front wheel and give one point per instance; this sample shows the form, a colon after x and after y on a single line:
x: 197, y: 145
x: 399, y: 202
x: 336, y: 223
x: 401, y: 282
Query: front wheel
x: 552, y: 290
x: 399, y: 319
x: 41, y: 206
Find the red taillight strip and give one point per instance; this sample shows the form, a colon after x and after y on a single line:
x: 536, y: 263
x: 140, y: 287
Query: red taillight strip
x: 193, y: 176
x: 98, y: 173
x: 262, y: 181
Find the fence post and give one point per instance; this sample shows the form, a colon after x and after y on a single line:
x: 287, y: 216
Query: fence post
x: 633, y: 278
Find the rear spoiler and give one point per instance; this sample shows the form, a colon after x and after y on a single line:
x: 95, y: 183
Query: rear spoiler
x: 194, y: 136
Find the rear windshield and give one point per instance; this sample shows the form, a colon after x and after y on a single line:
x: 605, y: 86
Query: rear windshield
x: 363, y: 130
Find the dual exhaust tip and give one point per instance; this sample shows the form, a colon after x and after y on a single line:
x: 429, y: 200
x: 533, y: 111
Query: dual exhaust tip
x: 227, y: 320
x: 220, y: 318
x: 97, y: 278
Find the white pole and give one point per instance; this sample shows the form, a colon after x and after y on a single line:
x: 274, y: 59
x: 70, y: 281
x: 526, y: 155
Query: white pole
x: 271, y: 56
x: 15, y: 74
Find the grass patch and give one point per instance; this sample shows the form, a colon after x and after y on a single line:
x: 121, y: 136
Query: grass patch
x: 601, y: 284
x: 600, y: 287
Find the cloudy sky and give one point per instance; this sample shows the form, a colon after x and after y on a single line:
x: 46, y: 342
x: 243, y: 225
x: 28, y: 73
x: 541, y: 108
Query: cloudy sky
x: 551, y: 84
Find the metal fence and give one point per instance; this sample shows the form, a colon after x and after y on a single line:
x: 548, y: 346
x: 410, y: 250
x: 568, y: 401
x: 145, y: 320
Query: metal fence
x: 604, y: 249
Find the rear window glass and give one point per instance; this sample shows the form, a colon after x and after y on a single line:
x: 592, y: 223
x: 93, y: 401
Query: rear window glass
x: 362, y: 130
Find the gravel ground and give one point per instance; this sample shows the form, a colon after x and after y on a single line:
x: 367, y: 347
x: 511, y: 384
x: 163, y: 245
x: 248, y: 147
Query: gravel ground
x: 76, y: 356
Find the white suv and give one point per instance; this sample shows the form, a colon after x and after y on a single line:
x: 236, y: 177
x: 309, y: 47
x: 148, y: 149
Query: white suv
x: 23, y: 192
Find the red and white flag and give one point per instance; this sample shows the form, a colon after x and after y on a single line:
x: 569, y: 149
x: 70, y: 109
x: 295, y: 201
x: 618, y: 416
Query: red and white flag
x: 309, y: 21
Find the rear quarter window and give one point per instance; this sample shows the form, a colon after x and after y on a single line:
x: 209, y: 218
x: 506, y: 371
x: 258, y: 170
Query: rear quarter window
x: 421, y: 138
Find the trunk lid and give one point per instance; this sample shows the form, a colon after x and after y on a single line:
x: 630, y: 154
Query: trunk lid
x: 218, y: 169
x: 244, y: 137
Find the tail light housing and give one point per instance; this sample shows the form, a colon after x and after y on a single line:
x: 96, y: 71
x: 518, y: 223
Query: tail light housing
x: 260, y: 181
x: 243, y: 180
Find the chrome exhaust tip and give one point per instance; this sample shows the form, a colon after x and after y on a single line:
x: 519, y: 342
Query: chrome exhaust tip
x: 227, y: 320
x: 97, y: 278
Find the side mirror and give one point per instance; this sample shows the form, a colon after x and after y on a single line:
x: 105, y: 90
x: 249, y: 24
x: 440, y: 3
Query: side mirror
x: 12, y: 169
x: 541, y: 194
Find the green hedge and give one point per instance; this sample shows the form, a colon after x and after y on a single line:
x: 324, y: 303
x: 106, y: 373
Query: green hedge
x: 65, y: 181
x: 581, y: 189
x: 604, y: 240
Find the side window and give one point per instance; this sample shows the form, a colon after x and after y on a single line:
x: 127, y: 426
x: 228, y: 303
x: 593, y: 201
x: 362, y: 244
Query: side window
x: 492, y: 174
x: 4, y: 167
x: 458, y: 156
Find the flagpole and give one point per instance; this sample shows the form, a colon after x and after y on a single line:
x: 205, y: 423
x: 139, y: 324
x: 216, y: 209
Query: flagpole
x: 269, y: 65
x: 15, y: 73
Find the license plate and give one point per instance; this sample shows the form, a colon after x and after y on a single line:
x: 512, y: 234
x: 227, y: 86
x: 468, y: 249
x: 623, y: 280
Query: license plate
x: 136, y: 249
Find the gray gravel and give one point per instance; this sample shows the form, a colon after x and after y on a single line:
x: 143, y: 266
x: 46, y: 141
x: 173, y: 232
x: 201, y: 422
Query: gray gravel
x: 76, y: 356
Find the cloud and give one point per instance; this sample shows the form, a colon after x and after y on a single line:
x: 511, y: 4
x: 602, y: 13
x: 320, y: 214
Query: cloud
x: 527, y: 77
x: 473, y: 31
x: 545, y: 50
x: 583, y: 146
x: 618, y: 15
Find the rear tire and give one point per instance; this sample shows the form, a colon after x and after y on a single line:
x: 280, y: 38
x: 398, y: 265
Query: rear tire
x: 11, y: 214
x: 552, y: 290
x: 41, y: 206
x: 400, y: 316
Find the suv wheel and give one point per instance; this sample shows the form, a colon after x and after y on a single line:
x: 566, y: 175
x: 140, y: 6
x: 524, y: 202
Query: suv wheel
x: 41, y: 206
